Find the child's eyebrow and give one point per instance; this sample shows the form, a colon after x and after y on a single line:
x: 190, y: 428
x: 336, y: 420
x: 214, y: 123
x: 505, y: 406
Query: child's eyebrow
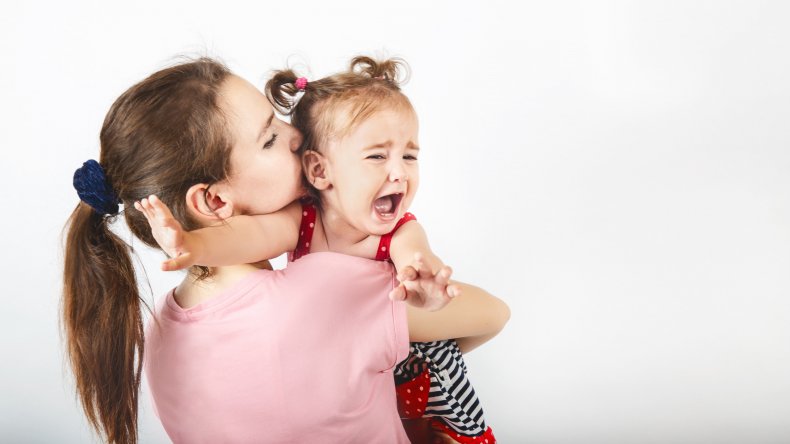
x: 385, y: 144
x: 388, y: 143
x: 265, y: 127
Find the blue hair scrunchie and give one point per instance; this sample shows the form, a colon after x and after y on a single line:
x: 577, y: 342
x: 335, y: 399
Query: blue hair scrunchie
x: 93, y: 189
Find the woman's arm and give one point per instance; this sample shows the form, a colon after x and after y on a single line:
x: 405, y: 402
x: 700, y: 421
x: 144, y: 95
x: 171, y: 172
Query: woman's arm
x: 237, y: 240
x: 474, y: 317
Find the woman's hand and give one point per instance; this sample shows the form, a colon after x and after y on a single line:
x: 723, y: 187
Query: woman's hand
x: 422, y: 288
x: 169, y: 234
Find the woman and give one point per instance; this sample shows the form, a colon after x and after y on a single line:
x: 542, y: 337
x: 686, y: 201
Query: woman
x: 235, y: 354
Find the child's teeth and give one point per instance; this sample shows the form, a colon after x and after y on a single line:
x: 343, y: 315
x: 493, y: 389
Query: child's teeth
x: 383, y: 204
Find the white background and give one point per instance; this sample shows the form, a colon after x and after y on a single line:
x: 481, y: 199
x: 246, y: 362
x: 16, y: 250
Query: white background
x: 616, y: 171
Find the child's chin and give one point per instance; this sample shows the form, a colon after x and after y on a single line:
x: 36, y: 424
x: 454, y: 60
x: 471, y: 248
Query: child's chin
x: 381, y: 228
x: 380, y: 231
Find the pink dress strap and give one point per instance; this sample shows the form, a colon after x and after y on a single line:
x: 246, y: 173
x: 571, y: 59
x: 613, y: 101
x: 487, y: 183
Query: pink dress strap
x: 305, y: 230
x: 383, y: 252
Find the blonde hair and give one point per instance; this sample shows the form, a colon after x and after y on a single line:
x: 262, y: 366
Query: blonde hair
x: 333, y: 106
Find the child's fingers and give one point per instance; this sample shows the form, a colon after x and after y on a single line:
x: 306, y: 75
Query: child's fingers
x: 421, y: 266
x: 453, y: 291
x: 139, y: 207
x: 177, y: 263
x: 408, y: 274
x: 398, y: 293
x: 159, y: 209
x: 142, y: 206
x: 443, y: 276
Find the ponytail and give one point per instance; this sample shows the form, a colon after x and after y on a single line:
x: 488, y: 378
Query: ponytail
x: 281, y: 90
x: 103, y: 323
x: 149, y: 131
x: 393, y: 70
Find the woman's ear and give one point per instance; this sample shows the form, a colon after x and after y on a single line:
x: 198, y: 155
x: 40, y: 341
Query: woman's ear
x: 314, y: 164
x: 208, y: 204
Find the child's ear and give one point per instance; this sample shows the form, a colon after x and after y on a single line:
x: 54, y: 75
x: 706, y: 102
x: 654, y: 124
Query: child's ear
x: 314, y: 164
x: 208, y: 203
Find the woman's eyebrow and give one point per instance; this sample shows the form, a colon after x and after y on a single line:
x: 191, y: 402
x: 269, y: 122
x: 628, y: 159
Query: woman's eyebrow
x: 265, y: 127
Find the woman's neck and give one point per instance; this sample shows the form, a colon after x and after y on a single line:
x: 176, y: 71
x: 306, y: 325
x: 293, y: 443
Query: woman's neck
x: 193, y: 291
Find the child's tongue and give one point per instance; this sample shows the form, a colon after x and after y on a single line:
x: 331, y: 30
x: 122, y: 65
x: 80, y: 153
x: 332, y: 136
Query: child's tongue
x: 384, y: 205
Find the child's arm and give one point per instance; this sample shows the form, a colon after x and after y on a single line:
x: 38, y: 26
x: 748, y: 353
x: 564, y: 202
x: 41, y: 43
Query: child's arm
x: 424, y: 278
x: 473, y: 318
x: 238, y: 240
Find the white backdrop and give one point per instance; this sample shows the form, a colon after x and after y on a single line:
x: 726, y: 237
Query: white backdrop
x: 616, y: 171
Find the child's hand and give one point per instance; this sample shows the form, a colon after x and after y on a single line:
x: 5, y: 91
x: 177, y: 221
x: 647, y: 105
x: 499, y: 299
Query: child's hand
x: 169, y: 234
x: 421, y: 288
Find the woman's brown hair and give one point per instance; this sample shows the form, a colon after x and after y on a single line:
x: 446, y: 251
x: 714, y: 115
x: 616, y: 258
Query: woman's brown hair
x: 335, y: 105
x: 161, y: 136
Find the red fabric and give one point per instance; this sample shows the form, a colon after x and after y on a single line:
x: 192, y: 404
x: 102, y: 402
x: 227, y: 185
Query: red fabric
x: 485, y: 438
x: 305, y: 230
x: 308, y: 225
x: 383, y: 252
x: 413, y: 396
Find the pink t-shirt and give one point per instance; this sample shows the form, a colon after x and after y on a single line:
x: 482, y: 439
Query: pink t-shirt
x: 304, y: 354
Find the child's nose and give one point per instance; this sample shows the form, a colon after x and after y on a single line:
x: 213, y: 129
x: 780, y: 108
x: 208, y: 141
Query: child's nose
x: 398, y: 172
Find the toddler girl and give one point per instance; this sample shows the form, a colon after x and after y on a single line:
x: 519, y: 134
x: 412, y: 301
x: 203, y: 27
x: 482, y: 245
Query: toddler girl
x: 359, y: 157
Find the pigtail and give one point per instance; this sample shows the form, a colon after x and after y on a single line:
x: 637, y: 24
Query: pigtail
x: 281, y: 90
x: 394, y: 70
x: 103, y: 324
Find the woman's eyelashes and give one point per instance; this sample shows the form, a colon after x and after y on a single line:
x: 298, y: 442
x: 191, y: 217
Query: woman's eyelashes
x: 270, y: 143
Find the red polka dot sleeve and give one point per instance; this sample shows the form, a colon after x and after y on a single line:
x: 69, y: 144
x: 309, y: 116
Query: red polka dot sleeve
x: 383, y: 252
x: 305, y: 230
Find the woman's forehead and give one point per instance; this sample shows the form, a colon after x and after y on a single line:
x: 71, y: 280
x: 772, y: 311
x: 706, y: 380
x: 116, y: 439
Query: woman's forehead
x: 248, y: 111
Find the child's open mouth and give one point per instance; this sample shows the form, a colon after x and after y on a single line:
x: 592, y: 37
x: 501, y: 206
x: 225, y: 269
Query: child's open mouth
x: 386, y: 207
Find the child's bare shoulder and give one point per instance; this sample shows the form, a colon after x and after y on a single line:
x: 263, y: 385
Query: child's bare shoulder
x: 410, y: 233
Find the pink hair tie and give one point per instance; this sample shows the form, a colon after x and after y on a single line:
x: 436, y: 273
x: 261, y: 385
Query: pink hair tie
x: 301, y: 83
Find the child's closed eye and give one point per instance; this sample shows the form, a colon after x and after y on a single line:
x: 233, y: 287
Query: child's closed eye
x: 270, y: 143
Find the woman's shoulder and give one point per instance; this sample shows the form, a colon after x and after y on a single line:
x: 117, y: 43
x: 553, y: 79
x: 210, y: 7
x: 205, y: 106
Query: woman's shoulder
x: 335, y: 264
